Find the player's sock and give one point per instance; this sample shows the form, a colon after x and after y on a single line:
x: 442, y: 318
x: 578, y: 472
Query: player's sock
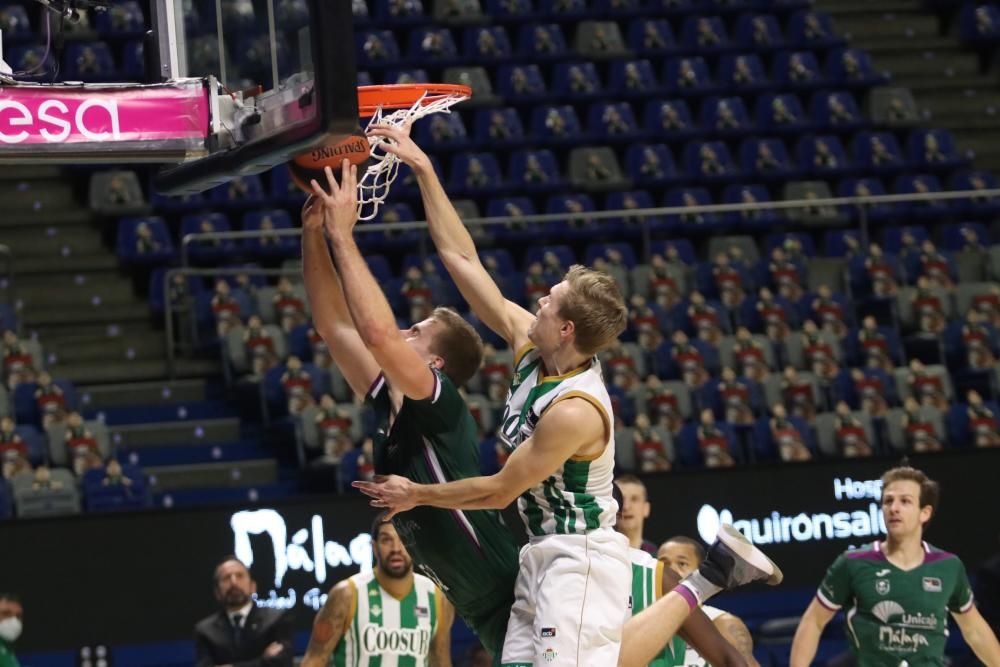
x: 696, y: 589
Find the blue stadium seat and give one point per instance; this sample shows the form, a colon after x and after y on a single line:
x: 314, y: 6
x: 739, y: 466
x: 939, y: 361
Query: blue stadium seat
x: 393, y: 240
x: 743, y: 73
x: 158, y: 249
x: 758, y: 32
x: 415, y: 75
x: 564, y: 9
x: 751, y: 318
x: 122, y: 19
x: 796, y: 70
x: 632, y: 77
x: 822, y: 156
x: 684, y: 222
x: 281, y: 246
x: 198, y: 223
x: 612, y: 121
x: 543, y: 41
x: 441, y: 131
x: 892, y: 237
x: 633, y: 199
x: 837, y: 110
x: 618, y: 7
x: 28, y: 62
x: 767, y: 159
x: 709, y: 161
x: 934, y: 150
x: 766, y: 449
x: 777, y: 240
x: 576, y: 80
x: 133, y: 60
x: 877, y: 152
x: 192, y: 285
x: 475, y: 172
x: 504, y: 10
x: 921, y: 184
x: 400, y: 13
x: 431, y: 46
x: 15, y: 24
x: 726, y: 117
x: 684, y: 248
x: 27, y: 415
x: 377, y: 48
x: 241, y: 192
x: 960, y: 433
x: 595, y: 250
x: 537, y: 254
x: 865, y: 187
x: 521, y: 82
x: 958, y: 237
x: 8, y: 318
x: 781, y: 113
x: 979, y: 23
x: 534, y: 170
x: 573, y: 227
x: 852, y: 68
x: 839, y: 242
x: 809, y: 29
x: 688, y: 76
x: 974, y: 180
x: 556, y: 124
x: 651, y: 37
x: 275, y: 398
x: 670, y: 118
x: 704, y: 34
x: 515, y: 233
x: 650, y: 164
x: 283, y: 190
x: 754, y: 219
x: 486, y: 44
x: 501, y: 125
x: 688, y: 452
x: 89, y: 61
x: 100, y: 497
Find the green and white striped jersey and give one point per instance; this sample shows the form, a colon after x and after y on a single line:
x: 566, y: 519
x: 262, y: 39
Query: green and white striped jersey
x: 386, y: 632
x: 577, y: 498
x: 647, y: 588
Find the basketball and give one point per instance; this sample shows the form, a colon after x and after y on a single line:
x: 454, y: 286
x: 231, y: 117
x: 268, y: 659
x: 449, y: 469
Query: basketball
x: 308, y: 166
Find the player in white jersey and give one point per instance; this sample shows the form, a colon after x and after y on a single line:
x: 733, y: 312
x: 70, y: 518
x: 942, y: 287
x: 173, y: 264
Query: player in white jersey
x: 573, y: 583
x: 683, y: 555
x: 387, y: 617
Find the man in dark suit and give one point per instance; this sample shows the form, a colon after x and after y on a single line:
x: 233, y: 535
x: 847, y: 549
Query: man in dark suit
x: 242, y: 634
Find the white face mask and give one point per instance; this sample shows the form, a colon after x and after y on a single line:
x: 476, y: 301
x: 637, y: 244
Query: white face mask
x: 10, y: 629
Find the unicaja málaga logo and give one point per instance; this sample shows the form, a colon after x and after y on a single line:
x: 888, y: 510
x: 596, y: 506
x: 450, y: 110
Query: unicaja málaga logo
x: 778, y: 527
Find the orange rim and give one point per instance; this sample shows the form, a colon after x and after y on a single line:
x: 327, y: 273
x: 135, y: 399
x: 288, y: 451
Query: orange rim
x: 403, y: 95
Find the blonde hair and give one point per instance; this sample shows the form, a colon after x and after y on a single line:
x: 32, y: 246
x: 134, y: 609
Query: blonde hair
x: 595, y: 305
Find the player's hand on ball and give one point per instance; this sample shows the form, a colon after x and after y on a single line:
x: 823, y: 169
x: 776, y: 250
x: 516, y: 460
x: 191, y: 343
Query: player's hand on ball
x: 390, y: 492
x: 340, y: 206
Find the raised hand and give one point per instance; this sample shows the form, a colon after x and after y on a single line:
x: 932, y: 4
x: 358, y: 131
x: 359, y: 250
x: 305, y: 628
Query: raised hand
x: 390, y: 492
x: 312, y: 214
x: 400, y: 144
x: 340, y: 205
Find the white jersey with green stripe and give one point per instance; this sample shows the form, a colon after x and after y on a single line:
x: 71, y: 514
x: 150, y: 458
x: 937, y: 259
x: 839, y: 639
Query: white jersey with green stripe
x: 385, y: 631
x: 647, y: 588
x: 576, y: 498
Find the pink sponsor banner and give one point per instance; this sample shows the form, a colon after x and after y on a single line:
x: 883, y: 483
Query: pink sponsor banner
x: 87, y: 114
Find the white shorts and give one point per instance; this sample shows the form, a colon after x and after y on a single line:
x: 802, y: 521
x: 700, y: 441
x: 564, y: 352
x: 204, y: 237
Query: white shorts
x: 570, y: 601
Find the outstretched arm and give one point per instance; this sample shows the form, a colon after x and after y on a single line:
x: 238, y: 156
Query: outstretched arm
x: 979, y: 636
x: 330, y: 625
x: 567, y: 426
x: 373, y: 318
x: 455, y: 245
x: 808, y: 633
x: 326, y: 298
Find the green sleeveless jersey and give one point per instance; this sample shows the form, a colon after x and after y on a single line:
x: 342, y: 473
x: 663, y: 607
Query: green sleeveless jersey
x: 576, y: 498
x: 385, y: 631
x: 647, y: 588
x: 896, y: 617
x: 471, y: 555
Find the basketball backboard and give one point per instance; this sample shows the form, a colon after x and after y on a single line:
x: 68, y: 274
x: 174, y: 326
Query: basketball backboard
x: 281, y: 76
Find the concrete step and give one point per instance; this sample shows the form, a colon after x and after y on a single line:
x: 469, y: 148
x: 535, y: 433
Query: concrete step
x: 167, y: 392
x: 103, y: 260
x: 974, y: 104
x: 60, y: 279
x: 176, y: 433
x: 38, y: 196
x: 889, y: 24
x: 876, y: 46
x: 36, y: 315
x: 919, y: 84
x: 980, y: 121
x: 229, y: 474
x: 45, y: 216
x: 929, y: 62
x: 148, y: 370
x: 30, y: 172
x: 840, y: 7
x: 54, y: 241
x: 150, y: 346
x: 77, y: 290
x: 52, y: 334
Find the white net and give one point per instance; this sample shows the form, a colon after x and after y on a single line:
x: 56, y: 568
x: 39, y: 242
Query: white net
x: 374, y: 184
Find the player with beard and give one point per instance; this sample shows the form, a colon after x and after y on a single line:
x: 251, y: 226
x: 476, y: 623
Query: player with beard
x: 900, y: 591
x: 242, y: 633
x: 388, y: 617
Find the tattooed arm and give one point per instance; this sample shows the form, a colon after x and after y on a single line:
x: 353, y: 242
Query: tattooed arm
x: 736, y: 633
x: 330, y: 625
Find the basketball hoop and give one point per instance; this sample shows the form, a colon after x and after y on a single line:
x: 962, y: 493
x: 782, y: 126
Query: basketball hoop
x: 408, y: 102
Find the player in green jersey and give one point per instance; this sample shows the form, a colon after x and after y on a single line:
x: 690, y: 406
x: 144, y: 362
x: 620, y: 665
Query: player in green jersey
x: 387, y: 617
x: 424, y: 429
x: 898, y: 592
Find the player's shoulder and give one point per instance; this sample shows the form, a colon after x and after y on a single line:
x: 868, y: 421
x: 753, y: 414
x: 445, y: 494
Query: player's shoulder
x: 936, y: 555
x: 861, y: 557
x: 641, y: 558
